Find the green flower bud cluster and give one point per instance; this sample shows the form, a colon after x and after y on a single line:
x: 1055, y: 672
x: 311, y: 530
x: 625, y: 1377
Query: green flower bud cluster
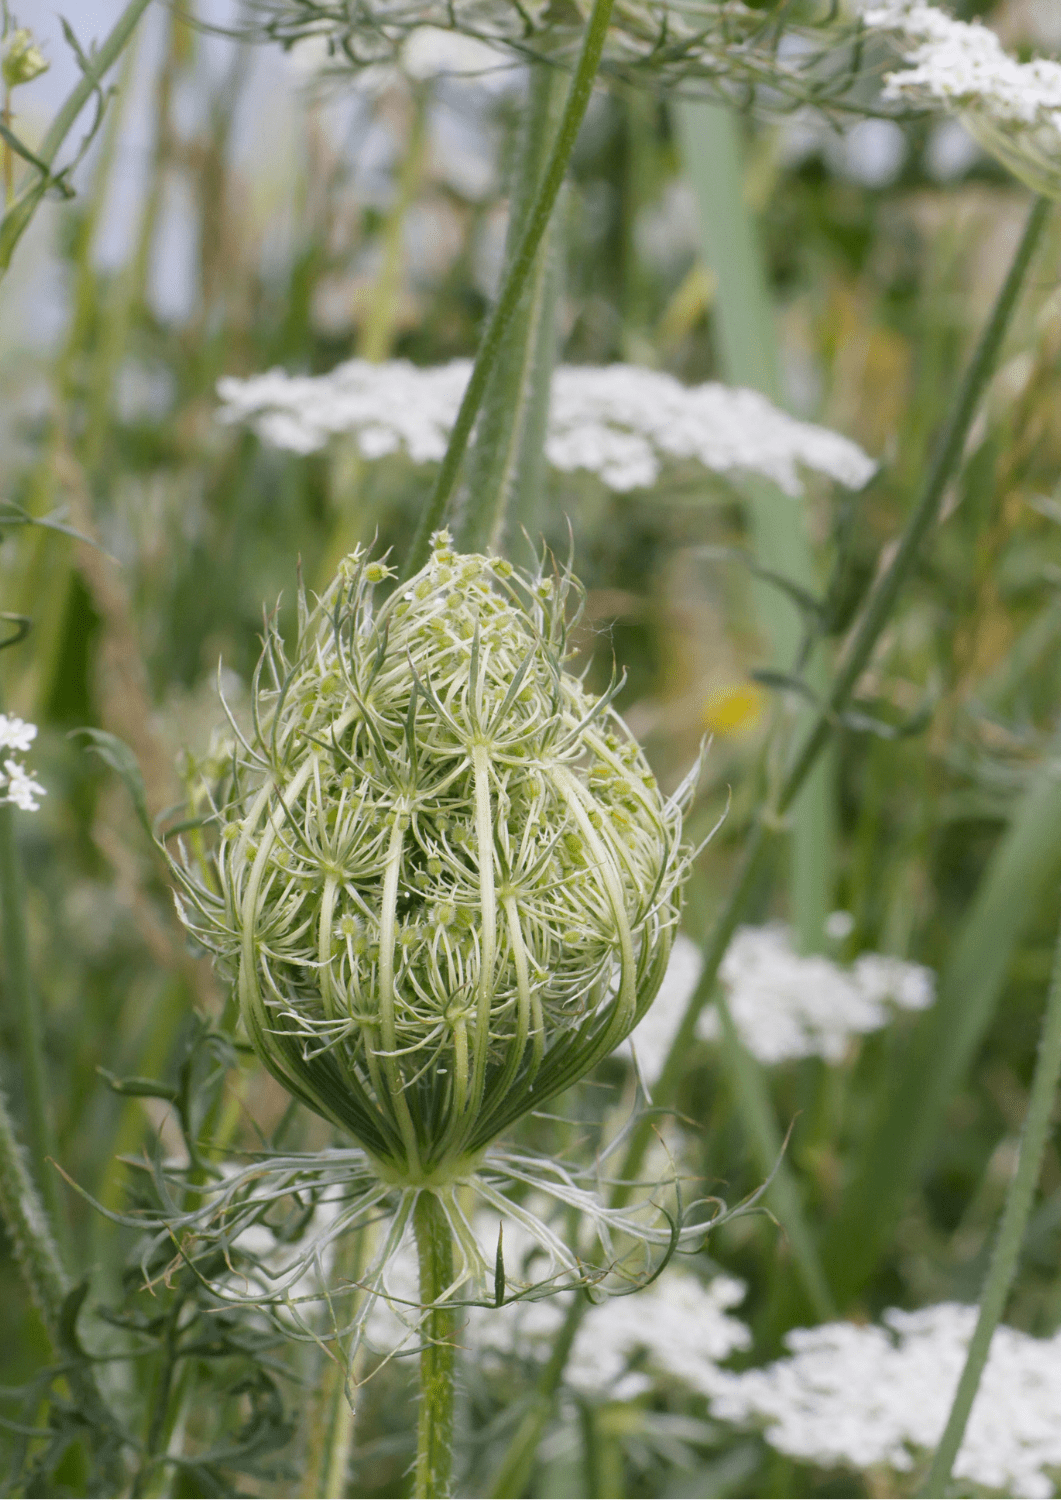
x: 445, y: 882
x: 23, y: 60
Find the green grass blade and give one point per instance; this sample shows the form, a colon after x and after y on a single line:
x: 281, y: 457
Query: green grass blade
x: 1024, y: 865
x: 751, y: 1096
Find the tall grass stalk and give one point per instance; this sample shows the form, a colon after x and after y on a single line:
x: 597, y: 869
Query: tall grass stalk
x: 1006, y: 1255
x: 515, y: 280
x: 519, y: 1458
x: 742, y: 320
x: 376, y: 339
x: 742, y: 317
x: 752, y: 1097
x: 864, y: 637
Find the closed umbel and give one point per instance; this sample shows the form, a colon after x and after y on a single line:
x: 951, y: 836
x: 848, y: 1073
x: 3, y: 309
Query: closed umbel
x: 445, y: 882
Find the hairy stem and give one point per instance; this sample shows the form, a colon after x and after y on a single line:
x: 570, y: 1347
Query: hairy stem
x: 1011, y: 1232
x: 516, y: 278
x: 25, y: 1006
x: 438, y: 1333
x: 27, y: 1226
x: 37, y: 1256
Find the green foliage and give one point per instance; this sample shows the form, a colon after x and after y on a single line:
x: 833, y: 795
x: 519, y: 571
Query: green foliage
x: 944, y: 795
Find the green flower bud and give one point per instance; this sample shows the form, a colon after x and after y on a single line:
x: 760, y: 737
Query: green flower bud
x: 437, y: 910
x: 23, y: 60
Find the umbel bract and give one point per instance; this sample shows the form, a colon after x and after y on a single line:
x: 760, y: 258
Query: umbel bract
x: 445, y: 882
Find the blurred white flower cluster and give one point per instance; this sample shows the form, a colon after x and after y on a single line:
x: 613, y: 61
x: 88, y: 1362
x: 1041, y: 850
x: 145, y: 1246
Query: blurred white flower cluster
x: 871, y: 1395
x: 1013, y: 109
x: 16, y: 783
x: 679, y: 1326
x: 621, y: 422
x: 784, y: 1004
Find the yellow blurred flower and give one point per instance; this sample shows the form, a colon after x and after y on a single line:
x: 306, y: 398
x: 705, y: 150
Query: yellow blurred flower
x: 733, y: 709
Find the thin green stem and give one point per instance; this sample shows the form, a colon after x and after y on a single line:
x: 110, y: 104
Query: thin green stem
x: 1011, y: 1232
x: 24, y: 1004
x: 515, y: 280
x: 752, y: 1098
x: 513, y: 1474
x: 506, y: 459
x: 17, y: 218
x: 926, y: 512
x: 438, y: 1333
x: 1025, y: 864
x: 868, y: 632
x: 742, y: 319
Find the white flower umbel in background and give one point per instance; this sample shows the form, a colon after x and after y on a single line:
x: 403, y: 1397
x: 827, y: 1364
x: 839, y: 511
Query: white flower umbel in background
x: 1013, y: 109
x: 17, y: 786
x: 866, y: 1396
x: 621, y: 422
x: 680, y: 1326
x: 785, y: 1005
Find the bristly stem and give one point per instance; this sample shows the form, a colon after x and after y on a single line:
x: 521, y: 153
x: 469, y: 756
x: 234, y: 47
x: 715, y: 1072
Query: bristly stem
x: 438, y: 1334
x: 518, y: 1460
x: 18, y: 987
x: 515, y: 281
x: 1011, y: 1232
x: 37, y: 1256
x: 27, y: 1228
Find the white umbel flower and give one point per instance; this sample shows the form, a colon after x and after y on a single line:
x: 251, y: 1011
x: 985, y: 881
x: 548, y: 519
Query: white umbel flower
x: 16, y: 734
x: 621, y: 422
x: 680, y: 1327
x: 1013, y: 109
x: 17, y: 786
x: 784, y: 1004
x: 866, y: 1396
